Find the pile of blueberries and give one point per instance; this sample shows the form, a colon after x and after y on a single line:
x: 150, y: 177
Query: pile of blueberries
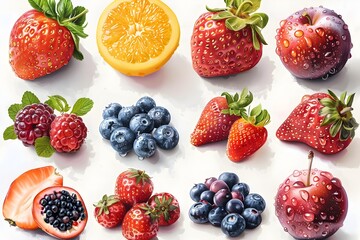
x: 141, y: 127
x: 226, y: 203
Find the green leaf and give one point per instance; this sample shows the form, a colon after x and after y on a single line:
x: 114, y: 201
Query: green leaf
x: 343, y: 97
x: 255, y: 5
x: 82, y: 106
x: 29, y: 98
x: 333, y: 95
x: 256, y: 110
x: 328, y: 102
x: 260, y: 19
x: 58, y: 103
x: 64, y: 9
x: 216, y: 9
x: 223, y: 15
x: 78, y: 11
x: 45, y: 6
x: 9, y: 133
x: 335, y: 128
x: 43, y: 147
x: 235, y: 23
x: 14, y: 109
x: 350, y: 100
x: 75, y: 29
x: 254, y: 38
x: 36, y: 4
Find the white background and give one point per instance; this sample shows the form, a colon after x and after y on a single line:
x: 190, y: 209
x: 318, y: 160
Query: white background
x: 93, y: 170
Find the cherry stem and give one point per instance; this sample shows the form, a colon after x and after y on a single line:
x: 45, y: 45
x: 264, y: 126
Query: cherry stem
x: 306, y: 15
x: 310, y: 157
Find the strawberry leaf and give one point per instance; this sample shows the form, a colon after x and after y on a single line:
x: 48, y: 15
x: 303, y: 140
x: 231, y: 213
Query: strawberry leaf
x: 58, y: 103
x: 9, y: 133
x: 64, y: 9
x: 29, y: 98
x: 43, y: 147
x: 82, y: 106
x: 82, y: 17
x: 14, y: 109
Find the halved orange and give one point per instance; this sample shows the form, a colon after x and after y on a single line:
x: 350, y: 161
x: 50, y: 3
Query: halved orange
x: 137, y: 37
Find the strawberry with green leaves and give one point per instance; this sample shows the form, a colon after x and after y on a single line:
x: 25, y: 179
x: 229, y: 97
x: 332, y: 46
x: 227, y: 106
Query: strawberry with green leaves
x: 109, y: 211
x: 228, y: 40
x: 323, y: 121
x: 167, y: 207
x: 247, y: 134
x: 45, y: 38
x: 218, y: 116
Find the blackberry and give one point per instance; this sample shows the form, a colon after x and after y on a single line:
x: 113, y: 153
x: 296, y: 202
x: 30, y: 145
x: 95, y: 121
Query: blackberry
x: 32, y: 122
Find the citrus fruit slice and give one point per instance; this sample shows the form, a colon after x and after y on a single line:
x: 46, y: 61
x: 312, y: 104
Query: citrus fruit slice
x: 137, y: 37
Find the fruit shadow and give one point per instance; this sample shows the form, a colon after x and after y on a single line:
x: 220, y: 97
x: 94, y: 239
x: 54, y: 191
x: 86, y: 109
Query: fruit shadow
x: 39, y: 234
x: 258, y: 79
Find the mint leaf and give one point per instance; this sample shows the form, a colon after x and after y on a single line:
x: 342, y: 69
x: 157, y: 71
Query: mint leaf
x: 58, y: 103
x: 9, y: 133
x: 43, y: 147
x: 13, y: 110
x: 64, y: 9
x: 29, y: 98
x: 82, y: 106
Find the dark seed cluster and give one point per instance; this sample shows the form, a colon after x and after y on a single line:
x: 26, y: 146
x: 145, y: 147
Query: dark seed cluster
x: 62, y: 210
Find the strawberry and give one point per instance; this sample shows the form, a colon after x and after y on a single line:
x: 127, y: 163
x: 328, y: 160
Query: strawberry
x: 247, y: 134
x: 140, y: 223
x: 109, y: 211
x: 228, y: 40
x: 167, y: 206
x: 43, y: 39
x: 322, y: 121
x: 133, y: 186
x: 17, y: 207
x: 218, y: 116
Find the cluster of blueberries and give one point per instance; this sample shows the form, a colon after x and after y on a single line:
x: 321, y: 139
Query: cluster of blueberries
x: 226, y: 203
x: 141, y: 127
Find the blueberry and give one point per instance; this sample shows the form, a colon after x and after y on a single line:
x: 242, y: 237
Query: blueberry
x: 234, y: 206
x: 199, y: 212
x: 252, y: 218
x: 111, y: 110
x: 160, y: 115
x: 141, y: 123
x: 230, y: 178
x: 166, y: 136
x: 242, y: 188
x: 254, y: 200
x: 122, y: 140
x: 233, y: 225
x: 108, y: 125
x: 207, y: 196
x: 145, y: 104
x: 216, y: 215
x: 196, y: 191
x: 144, y: 146
x: 222, y: 197
x: 126, y: 113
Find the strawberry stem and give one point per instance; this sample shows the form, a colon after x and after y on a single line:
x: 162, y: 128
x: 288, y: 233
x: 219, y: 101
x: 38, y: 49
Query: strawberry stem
x: 310, y: 157
x: 346, y: 110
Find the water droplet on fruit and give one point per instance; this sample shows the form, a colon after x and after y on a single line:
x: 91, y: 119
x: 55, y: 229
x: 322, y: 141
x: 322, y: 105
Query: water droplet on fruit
x: 285, y: 59
x: 326, y: 174
x: 308, y: 42
x: 320, y: 32
x: 306, y: 66
x: 278, y: 51
x: 309, y: 217
x: 298, y: 184
x: 284, y: 197
x: 324, y: 233
x: 293, y: 53
x: 316, y: 179
x: 286, y: 43
x: 330, y: 37
x: 322, y: 200
x: 328, y: 54
x: 285, y: 229
x: 299, y: 33
x: 294, y: 202
x: 336, y: 182
x: 286, y: 188
x: 290, y: 213
x: 346, y: 27
x: 323, y: 215
x: 337, y: 196
x: 296, y: 173
x: 304, y: 195
x: 315, y: 198
x: 343, y: 37
x: 329, y: 187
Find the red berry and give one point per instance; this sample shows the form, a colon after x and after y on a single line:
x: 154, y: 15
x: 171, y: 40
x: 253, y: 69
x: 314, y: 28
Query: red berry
x: 67, y: 133
x: 109, y: 211
x: 33, y: 121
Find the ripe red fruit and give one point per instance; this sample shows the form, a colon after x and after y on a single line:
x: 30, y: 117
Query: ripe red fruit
x: 109, y: 212
x: 218, y: 116
x: 140, y: 223
x: 67, y: 133
x: 16, y: 208
x: 322, y: 121
x: 62, y: 222
x: 32, y: 122
x: 247, y: 134
x: 43, y: 39
x: 313, y: 43
x: 167, y: 207
x: 133, y: 186
x: 229, y: 40
x: 311, y: 204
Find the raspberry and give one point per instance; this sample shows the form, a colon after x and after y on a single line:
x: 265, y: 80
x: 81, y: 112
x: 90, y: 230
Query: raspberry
x: 32, y: 122
x: 67, y: 133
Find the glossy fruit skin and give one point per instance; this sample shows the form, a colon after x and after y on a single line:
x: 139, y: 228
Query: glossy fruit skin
x: 67, y: 133
x: 320, y: 208
x: 254, y: 200
x: 126, y: 113
x: 145, y: 104
x: 166, y: 137
x: 160, y: 115
x: 112, y: 216
x: 242, y: 187
x: 196, y: 191
x: 235, y: 54
x: 111, y: 110
x: 108, y: 125
x: 234, y: 206
x: 122, y: 140
x: 32, y: 122
x: 199, y: 212
x: 167, y: 206
x: 252, y: 218
x: 233, y: 225
x: 244, y: 140
x: 216, y: 215
x: 23, y: 188
x: 207, y: 196
x: 306, y: 116
x: 133, y: 186
x: 51, y: 45
x: 229, y: 178
x: 222, y: 197
x: 78, y: 223
x: 213, y: 125
x: 218, y: 185
x: 316, y: 49
x: 145, y: 146
x: 141, y: 123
